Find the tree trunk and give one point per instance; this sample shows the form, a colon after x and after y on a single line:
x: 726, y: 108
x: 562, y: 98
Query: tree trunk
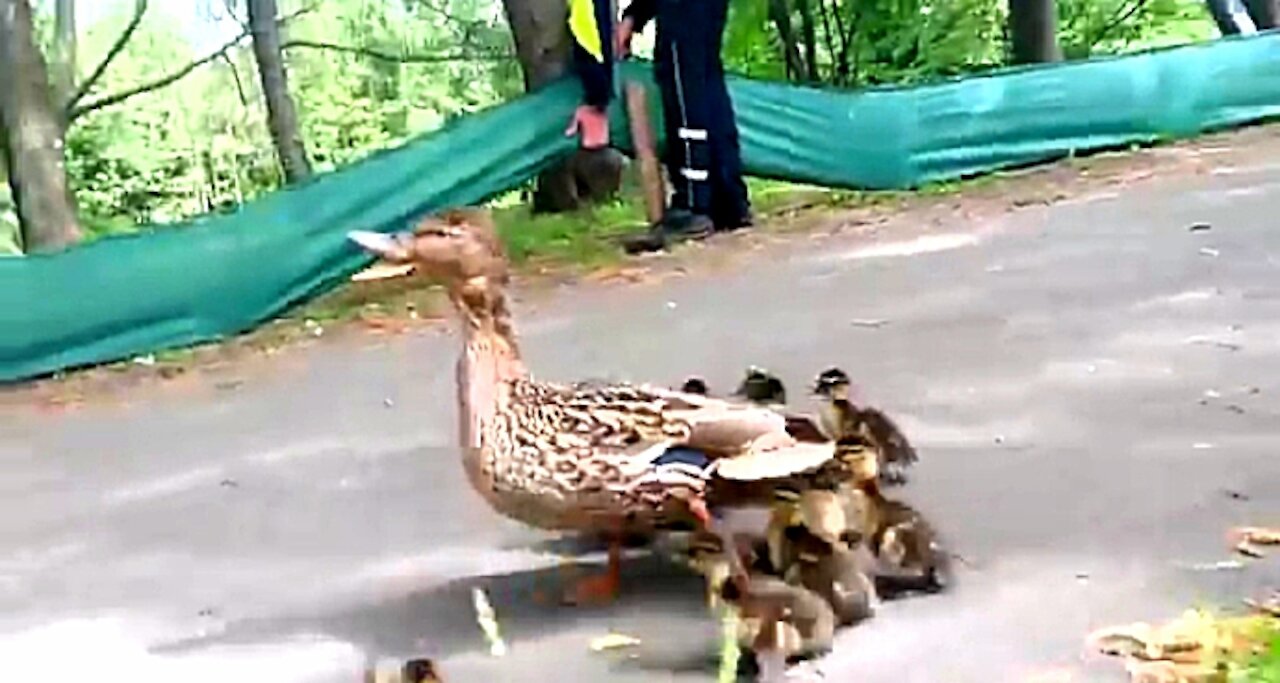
x: 64, y: 51
x: 1033, y: 28
x: 33, y: 136
x: 780, y: 14
x: 282, y: 115
x: 809, y: 33
x: 541, y: 33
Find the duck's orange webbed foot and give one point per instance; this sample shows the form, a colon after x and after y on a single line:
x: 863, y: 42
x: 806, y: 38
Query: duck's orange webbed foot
x: 601, y: 588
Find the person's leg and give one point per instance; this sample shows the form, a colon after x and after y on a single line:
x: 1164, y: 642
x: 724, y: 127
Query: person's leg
x: 673, y: 152
x: 731, y: 207
x: 681, y: 72
x: 685, y: 24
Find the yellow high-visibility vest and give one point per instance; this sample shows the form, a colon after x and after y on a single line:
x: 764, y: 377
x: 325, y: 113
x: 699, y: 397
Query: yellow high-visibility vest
x: 583, y: 26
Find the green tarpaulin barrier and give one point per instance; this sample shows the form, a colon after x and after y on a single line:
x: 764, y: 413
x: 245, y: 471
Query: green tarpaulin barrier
x: 222, y: 275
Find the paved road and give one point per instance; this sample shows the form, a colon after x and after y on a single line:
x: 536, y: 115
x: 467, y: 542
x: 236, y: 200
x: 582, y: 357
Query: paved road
x: 1050, y: 363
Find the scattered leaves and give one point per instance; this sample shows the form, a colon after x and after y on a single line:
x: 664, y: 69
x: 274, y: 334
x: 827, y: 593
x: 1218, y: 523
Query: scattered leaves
x: 613, y: 641
x: 1192, y: 648
x: 488, y: 621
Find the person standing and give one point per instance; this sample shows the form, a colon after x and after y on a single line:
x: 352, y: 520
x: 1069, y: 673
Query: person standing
x: 702, y: 152
x: 591, y: 26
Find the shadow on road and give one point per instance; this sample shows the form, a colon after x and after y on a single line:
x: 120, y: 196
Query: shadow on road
x: 441, y: 621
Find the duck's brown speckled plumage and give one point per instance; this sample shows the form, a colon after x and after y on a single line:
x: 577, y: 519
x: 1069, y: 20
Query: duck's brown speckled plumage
x: 586, y: 455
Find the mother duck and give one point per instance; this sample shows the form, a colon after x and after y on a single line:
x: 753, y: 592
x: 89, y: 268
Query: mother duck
x: 612, y: 459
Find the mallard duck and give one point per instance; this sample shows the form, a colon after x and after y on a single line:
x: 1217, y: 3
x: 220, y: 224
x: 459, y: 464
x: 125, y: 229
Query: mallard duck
x: 841, y: 418
x: 611, y: 458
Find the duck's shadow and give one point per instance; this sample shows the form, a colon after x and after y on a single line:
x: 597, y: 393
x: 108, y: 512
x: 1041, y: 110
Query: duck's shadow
x: 440, y: 621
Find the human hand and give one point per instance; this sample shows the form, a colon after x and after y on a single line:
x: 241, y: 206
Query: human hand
x: 592, y: 123
x: 622, y: 35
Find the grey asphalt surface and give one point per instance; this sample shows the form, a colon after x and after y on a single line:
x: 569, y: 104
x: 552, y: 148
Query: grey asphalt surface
x: 1068, y: 374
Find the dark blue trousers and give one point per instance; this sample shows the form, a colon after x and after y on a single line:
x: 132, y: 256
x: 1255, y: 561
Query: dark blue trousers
x: 702, y: 151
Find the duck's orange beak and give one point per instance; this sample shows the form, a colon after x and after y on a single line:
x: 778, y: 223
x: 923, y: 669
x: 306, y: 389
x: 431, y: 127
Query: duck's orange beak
x: 394, y: 248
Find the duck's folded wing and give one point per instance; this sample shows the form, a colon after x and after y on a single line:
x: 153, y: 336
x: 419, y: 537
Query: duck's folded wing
x: 775, y: 463
x: 730, y: 430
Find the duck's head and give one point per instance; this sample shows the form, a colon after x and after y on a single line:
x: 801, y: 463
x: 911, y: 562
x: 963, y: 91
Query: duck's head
x: 454, y: 246
x: 832, y: 383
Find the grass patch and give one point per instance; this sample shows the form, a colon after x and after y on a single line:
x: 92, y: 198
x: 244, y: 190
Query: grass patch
x: 1262, y: 665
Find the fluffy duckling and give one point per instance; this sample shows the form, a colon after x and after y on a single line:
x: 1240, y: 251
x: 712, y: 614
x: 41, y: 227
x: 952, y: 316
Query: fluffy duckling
x: 695, y: 385
x: 412, y: 671
x: 780, y: 619
x: 910, y: 554
x: 762, y: 387
x: 779, y: 622
x: 813, y: 543
x: 908, y: 547
x: 841, y: 419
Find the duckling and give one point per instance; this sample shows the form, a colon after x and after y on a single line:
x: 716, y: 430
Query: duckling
x: 762, y: 387
x: 695, y: 385
x: 840, y: 418
x: 778, y: 618
x: 905, y: 543
x: 840, y: 574
x: 420, y: 671
x: 909, y: 549
x: 412, y: 671
x: 707, y: 555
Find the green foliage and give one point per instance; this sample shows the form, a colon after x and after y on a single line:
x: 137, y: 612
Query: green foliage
x: 388, y: 70
x: 869, y: 42
x: 370, y: 74
x: 1263, y: 666
x: 1090, y: 27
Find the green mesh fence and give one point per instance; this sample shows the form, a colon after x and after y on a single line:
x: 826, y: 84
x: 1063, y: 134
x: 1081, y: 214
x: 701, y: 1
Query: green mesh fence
x: 222, y: 275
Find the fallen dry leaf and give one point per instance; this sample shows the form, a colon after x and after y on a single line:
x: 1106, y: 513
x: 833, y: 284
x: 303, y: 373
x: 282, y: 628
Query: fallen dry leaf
x: 384, y: 325
x: 382, y: 271
x: 1270, y: 607
x: 1170, y: 672
x: 1258, y: 535
x: 613, y: 641
x: 1182, y: 651
x: 1250, y: 550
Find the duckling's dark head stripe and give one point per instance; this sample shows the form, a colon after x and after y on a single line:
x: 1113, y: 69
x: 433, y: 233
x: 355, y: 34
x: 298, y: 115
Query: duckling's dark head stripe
x: 830, y: 378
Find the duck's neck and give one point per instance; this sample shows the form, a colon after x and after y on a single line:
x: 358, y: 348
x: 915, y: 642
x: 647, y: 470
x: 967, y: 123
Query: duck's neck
x: 490, y: 362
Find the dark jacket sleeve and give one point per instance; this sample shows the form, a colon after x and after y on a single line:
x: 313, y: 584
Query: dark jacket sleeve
x: 641, y: 12
x: 593, y: 49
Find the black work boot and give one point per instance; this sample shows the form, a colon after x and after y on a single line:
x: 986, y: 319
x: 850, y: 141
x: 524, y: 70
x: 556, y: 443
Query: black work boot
x: 678, y: 225
x: 738, y: 222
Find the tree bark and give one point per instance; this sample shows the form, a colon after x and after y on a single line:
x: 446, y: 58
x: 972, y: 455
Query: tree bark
x: 1033, y: 27
x: 809, y: 33
x: 282, y: 115
x: 33, y: 136
x: 64, y: 50
x: 780, y: 14
x: 541, y: 33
